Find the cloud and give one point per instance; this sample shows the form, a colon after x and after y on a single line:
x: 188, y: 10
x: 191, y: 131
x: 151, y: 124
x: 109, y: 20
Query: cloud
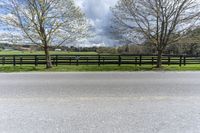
x: 99, y: 14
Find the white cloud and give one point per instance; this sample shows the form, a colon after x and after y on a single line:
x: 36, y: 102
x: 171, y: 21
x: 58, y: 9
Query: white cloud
x: 99, y: 14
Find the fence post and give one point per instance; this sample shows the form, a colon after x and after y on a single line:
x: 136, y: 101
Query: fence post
x: 140, y: 60
x: 70, y: 60
x: 53, y: 60
x: 14, y: 60
x: 99, y: 60
x: 180, y: 63
x: 169, y: 60
x: 36, y: 60
x: 119, y: 60
x: 56, y: 60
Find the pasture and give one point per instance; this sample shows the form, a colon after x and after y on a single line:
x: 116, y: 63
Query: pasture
x: 15, y: 52
x: 17, y: 61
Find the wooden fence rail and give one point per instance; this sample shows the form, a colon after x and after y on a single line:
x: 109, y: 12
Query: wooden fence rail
x: 98, y: 60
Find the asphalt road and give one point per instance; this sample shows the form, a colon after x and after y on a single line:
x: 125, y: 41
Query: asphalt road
x: 141, y: 102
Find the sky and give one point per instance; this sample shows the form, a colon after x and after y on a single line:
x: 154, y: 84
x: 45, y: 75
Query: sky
x: 99, y: 15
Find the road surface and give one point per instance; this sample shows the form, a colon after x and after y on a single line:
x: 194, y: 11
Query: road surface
x: 140, y: 102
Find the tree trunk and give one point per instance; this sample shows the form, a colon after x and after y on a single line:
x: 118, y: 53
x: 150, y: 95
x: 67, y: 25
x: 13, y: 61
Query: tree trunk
x: 48, y: 57
x: 159, y: 59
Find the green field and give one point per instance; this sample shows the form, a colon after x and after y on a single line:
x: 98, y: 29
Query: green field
x: 42, y: 52
x: 82, y: 68
x: 95, y: 68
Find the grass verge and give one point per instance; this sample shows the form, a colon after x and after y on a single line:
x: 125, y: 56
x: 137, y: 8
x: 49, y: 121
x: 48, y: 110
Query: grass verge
x: 95, y: 68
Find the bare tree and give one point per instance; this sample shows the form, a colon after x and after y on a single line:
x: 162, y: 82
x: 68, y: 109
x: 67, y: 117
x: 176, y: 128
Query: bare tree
x: 44, y: 22
x: 160, y: 22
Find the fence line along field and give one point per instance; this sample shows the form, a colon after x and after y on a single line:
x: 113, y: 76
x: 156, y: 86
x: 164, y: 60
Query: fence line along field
x: 97, y: 59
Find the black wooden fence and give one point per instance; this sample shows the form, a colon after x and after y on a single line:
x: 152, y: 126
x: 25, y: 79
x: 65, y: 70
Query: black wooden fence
x: 98, y: 59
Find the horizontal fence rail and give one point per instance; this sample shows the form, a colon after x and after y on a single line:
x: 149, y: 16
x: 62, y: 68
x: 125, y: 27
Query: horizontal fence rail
x: 98, y: 60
